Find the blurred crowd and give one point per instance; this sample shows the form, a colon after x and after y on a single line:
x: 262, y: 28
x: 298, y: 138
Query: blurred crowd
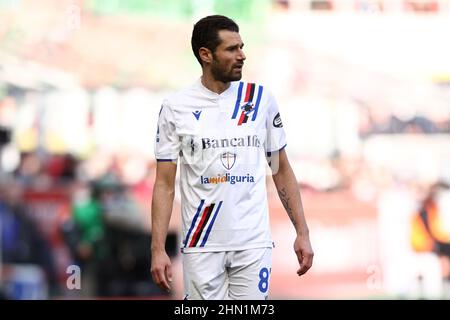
x: 57, y: 210
x: 379, y: 120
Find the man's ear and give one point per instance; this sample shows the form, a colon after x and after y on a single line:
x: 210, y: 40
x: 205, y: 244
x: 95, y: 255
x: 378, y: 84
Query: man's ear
x: 205, y: 55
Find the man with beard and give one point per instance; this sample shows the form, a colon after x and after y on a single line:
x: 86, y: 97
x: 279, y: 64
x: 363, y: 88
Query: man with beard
x: 223, y: 131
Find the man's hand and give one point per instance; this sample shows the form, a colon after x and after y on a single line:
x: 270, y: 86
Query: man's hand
x: 305, y: 254
x: 161, y: 270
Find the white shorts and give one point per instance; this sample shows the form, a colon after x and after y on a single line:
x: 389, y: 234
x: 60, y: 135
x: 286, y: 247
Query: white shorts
x: 227, y: 275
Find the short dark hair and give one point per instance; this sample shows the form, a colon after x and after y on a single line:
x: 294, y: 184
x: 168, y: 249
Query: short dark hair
x: 206, y: 33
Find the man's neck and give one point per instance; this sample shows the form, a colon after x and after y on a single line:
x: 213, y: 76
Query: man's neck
x: 214, y: 85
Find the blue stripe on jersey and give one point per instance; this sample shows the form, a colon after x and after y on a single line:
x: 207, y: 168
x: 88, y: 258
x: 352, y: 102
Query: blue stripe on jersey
x: 205, y: 238
x: 164, y: 160
x: 258, y: 100
x: 193, y: 222
x: 238, y: 101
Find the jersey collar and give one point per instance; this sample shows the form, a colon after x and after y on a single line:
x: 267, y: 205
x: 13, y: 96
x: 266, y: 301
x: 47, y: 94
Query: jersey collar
x: 230, y: 90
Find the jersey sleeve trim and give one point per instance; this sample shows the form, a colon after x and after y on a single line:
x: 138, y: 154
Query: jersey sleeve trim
x: 269, y: 153
x: 166, y: 160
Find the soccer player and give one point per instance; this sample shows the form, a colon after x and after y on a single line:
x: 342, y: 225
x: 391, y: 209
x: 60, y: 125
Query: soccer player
x: 222, y: 132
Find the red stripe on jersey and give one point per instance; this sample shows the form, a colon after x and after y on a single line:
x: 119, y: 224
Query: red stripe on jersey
x: 199, y: 227
x: 241, y: 119
x: 247, y: 93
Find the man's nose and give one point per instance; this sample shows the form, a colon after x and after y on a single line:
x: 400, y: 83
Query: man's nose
x: 241, y: 55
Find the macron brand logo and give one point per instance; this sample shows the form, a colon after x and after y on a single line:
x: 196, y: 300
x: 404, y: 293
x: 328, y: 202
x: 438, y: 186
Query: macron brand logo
x: 196, y: 114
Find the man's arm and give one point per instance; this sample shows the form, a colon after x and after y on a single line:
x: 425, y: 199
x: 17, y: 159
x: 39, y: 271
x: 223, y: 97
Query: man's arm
x: 289, y: 194
x: 162, y: 203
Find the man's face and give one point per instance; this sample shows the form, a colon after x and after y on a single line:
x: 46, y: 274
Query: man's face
x: 228, y: 59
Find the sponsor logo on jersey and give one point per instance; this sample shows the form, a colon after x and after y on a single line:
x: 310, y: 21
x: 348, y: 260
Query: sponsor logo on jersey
x: 228, y: 160
x: 227, y: 178
x: 247, y: 141
x: 277, y: 121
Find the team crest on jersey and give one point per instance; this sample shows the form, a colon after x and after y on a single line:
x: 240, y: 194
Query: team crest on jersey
x: 247, y: 103
x: 247, y: 108
x: 228, y: 160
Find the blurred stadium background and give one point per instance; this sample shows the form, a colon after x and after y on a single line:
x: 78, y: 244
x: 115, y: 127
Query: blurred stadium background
x: 364, y: 92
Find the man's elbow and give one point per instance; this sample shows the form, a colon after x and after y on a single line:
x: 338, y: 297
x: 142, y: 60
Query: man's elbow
x: 164, y: 188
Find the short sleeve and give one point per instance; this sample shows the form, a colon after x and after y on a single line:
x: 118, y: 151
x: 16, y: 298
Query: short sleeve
x: 167, y: 145
x: 276, y: 137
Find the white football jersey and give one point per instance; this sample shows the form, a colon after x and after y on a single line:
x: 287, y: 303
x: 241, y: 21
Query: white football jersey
x: 220, y: 142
